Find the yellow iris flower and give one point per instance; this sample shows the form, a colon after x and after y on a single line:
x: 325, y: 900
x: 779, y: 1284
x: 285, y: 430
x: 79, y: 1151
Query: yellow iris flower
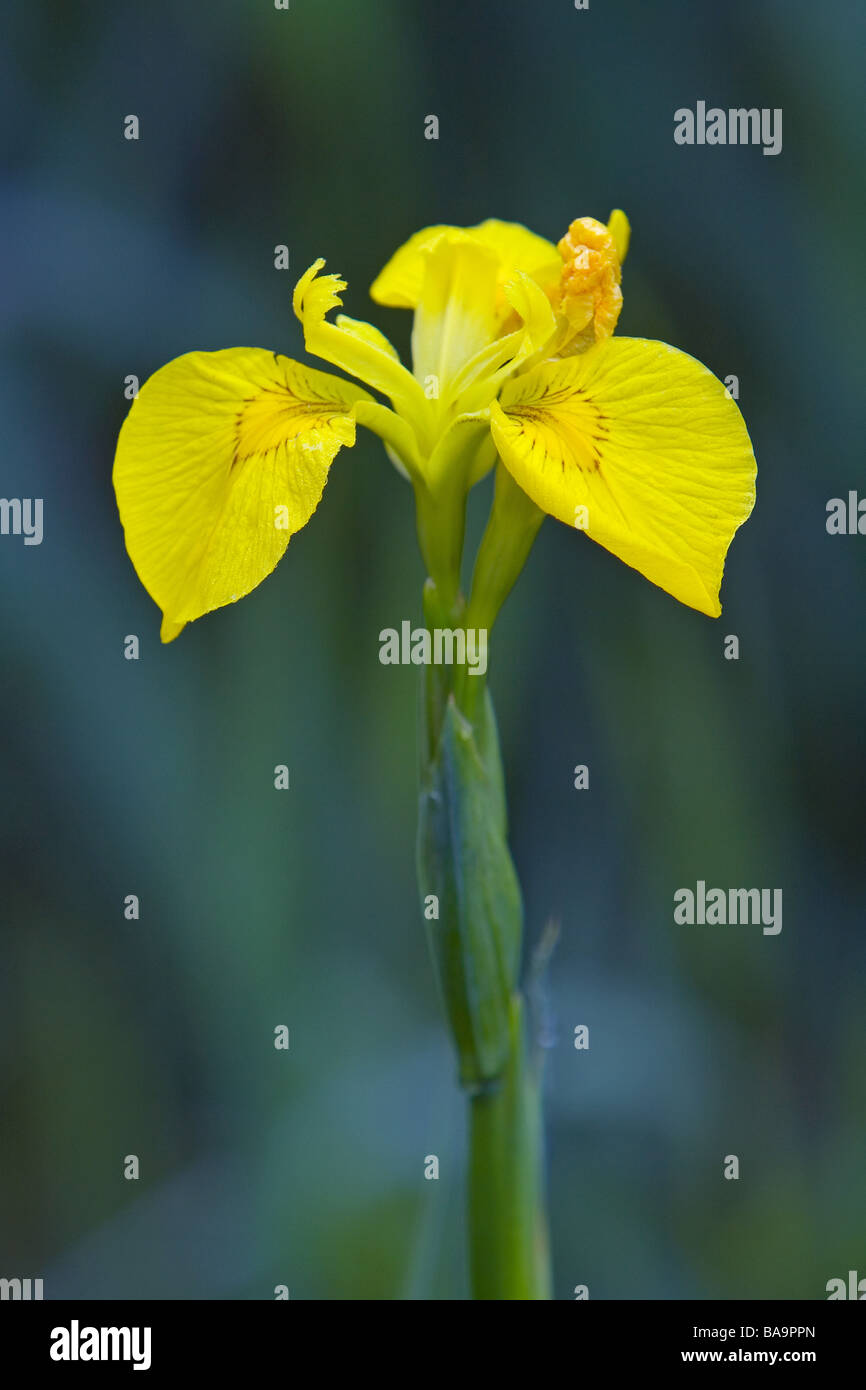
x: 225, y: 455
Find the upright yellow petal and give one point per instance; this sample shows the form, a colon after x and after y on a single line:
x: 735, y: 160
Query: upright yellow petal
x: 518, y: 248
x: 455, y: 317
x: 620, y: 229
x: 399, y: 283
x: 223, y: 457
x: 514, y: 246
x: 640, y: 446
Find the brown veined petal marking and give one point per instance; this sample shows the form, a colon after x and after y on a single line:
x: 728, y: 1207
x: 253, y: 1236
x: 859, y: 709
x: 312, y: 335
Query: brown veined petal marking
x: 222, y: 458
x: 641, y: 446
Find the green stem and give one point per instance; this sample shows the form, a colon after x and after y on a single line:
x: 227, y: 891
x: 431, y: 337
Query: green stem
x: 438, y: 680
x: 508, y: 538
x: 506, y: 543
x: 441, y: 520
x: 465, y: 865
x: 508, y: 1241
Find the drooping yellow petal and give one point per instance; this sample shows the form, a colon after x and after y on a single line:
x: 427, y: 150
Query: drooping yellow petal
x: 223, y: 457
x: 641, y: 446
x: 514, y: 246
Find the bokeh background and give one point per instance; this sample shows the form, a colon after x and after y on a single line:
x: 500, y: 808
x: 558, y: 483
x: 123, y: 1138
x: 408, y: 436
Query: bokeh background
x: 258, y: 908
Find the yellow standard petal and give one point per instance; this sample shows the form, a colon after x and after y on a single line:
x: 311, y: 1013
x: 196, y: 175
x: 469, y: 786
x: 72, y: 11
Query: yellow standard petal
x: 455, y: 316
x: 223, y: 457
x: 640, y: 446
x: 399, y: 283
x: 516, y: 248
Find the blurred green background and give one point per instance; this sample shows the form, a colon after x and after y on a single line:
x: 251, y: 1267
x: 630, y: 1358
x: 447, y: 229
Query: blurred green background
x: 260, y: 908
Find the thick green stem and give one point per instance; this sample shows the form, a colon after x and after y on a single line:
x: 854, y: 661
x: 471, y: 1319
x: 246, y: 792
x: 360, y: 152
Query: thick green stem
x: 466, y: 872
x: 441, y: 518
x: 471, y: 893
x: 508, y: 1242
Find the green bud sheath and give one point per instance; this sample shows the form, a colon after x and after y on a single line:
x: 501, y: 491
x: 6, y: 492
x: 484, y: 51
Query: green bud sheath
x: 463, y: 860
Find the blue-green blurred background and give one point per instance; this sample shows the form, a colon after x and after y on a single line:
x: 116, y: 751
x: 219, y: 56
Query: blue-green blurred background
x: 258, y: 908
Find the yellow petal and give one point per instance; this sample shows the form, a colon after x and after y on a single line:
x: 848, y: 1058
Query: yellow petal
x: 315, y: 294
x: 455, y: 316
x: 223, y: 457
x: 367, y: 333
x: 518, y: 251
x: 514, y: 246
x: 517, y: 248
x: 620, y: 229
x: 642, y: 447
x: 535, y: 331
x: 399, y: 283
x: 356, y: 347
x: 532, y: 305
